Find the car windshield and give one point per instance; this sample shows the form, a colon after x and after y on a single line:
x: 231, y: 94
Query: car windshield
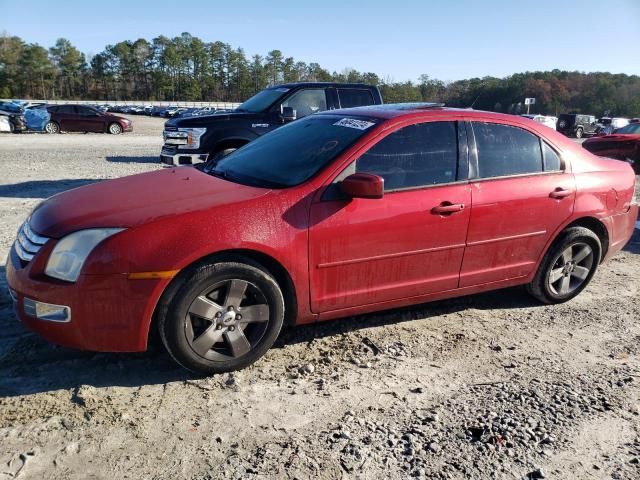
x: 294, y: 153
x: 263, y: 100
x: 631, y: 129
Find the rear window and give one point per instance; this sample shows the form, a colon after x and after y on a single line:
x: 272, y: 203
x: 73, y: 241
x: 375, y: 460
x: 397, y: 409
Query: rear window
x: 354, y: 97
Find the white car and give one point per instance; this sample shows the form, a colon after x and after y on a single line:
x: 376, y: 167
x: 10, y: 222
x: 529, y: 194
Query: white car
x: 543, y: 119
x: 615, y: 122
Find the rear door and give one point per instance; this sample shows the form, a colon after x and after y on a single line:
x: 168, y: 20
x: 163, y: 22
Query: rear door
x: 364, y: 251
x: 67, y: 117
x: 521, y: 193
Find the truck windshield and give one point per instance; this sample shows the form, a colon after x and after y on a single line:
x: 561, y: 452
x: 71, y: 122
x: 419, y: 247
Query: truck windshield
x: 262, y: 100
x: 293, y: 153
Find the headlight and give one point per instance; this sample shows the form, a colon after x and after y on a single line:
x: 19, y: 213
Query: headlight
x: 70, y: 253
x: 185, y: 137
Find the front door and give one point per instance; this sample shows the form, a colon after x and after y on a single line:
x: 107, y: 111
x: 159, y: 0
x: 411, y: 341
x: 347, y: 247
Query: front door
x: 406, y: 244
x: 521, y: 195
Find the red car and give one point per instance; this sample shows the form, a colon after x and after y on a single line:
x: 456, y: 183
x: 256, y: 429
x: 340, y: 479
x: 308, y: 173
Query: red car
x: 623, y: 144
x: 84, y: 118
x: 340, y: 213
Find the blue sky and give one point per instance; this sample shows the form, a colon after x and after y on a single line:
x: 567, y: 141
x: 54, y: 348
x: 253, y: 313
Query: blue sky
x: 399, y: 39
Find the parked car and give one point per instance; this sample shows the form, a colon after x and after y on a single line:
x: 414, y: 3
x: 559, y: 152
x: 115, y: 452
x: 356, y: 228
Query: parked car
x: 193, y: 140
x: 543, y: 119
x: 615, y: 122
x: 337, y: 214
x: 622, y: 144
x: 169, y: 112
x: 577, y: 125
x: 81, y: 118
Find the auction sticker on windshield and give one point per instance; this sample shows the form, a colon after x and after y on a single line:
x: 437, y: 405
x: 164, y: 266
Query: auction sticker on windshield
x: 353, y: 123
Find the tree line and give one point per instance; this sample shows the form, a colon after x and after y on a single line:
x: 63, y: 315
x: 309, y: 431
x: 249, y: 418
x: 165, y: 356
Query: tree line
x: 187, y: 68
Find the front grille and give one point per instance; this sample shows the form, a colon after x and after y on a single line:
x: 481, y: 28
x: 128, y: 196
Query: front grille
x: 28, y: 242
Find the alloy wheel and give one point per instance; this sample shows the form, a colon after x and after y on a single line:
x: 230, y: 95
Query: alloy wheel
x: 51, y: 127
x: 226, y: 320
x: 571, y: 269
x: 115, y: 129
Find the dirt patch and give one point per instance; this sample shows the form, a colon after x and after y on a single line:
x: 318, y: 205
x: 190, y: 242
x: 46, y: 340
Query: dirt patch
x: 487, y: 386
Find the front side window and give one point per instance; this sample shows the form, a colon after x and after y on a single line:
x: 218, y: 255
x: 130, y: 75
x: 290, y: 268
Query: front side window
x: 354, y: 97
x: 307, y: 101
x: 504, y: 150
x: 414, y: 156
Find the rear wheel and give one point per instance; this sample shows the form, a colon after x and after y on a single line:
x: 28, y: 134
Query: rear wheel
x: 579, y: 132
x: 52, y: 127
x: 221, y: 317
x: 115, y: 129
x: 568, y: 266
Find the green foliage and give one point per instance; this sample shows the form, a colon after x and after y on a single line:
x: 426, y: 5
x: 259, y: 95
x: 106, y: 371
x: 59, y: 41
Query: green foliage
x: 187, y: 68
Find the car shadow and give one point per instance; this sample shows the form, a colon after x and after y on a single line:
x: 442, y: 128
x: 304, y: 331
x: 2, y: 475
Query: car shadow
x: 29, y: 364
x: 633, y: 245
x: 42, y: 188
x: 132, y: 159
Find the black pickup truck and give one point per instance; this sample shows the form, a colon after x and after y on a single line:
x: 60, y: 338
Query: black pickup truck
x: 192, y: 140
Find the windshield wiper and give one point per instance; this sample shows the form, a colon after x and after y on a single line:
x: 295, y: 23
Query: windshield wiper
x: 245, y: 179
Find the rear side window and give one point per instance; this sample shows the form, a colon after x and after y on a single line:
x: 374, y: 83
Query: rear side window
x: 67, y: 109
x: 414, y: 156
x: 354, y: 97
x: 504, y: 150
x: 550, y: 158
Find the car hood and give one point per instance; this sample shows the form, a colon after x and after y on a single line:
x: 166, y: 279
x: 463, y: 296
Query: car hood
x: 205, y: 120
x: 136, y: 200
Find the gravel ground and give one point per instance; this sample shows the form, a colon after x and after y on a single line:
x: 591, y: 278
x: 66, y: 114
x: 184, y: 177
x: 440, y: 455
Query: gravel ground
x: 486, y: 386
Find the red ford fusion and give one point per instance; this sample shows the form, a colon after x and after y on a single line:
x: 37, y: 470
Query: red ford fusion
x: 623, y: 144
x: 340, y: 213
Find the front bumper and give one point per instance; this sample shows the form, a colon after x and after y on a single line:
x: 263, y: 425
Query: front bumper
x: 174, y: 158
x: 107, y: 313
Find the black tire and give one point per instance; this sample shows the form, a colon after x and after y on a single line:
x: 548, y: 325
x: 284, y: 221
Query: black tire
x: 115, y: 128
x: 572, y: 239
x: 579, y: 132
x: 182, y: 330
x: 216, y: 156
x: 52, y: 127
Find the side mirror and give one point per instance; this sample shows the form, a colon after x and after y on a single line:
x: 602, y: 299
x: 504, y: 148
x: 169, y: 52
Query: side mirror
x: 363, y: 185
x: 288, y: 114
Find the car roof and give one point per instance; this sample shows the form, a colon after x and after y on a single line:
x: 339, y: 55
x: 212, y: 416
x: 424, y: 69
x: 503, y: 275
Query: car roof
x: 393, y: 110
x: 321, y: 84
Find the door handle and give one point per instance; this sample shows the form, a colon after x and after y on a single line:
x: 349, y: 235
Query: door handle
x: 447, y: 208
x: 560, y: 193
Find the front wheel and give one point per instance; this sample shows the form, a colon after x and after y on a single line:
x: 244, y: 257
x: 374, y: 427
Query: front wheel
x: 579, y: 133
x: 221, y: 316
x: 220, y: 154
x: 568, y: 266
x: 115, y: 129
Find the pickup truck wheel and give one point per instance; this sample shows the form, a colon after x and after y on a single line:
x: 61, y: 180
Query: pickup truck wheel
x: 216, y: 156
x: 579, y: 133
x: 221, y: 317
x: 115, y: 129
x: 52, y: 127
x: 568, y: 266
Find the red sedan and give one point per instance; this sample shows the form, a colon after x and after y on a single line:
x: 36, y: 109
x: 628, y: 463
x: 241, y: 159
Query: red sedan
x: 340, y: 213
x: 84, y: 118
x: 623, y: 144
